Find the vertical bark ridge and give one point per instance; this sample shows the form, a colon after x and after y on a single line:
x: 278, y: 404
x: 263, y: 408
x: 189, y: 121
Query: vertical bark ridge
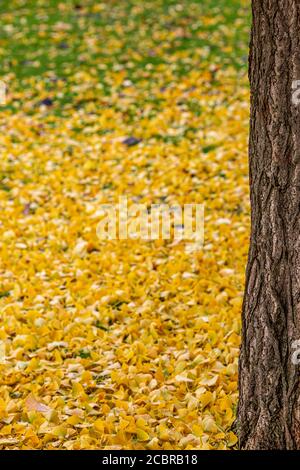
x: 269, y: 403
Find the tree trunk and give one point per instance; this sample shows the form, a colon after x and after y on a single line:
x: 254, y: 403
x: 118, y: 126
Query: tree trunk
x: 269, y: 403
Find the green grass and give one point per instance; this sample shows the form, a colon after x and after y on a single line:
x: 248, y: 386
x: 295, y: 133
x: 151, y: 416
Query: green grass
x: 56, y: 40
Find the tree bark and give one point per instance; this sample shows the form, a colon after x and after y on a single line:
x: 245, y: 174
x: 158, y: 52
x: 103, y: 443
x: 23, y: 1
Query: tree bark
x: 269, y: 403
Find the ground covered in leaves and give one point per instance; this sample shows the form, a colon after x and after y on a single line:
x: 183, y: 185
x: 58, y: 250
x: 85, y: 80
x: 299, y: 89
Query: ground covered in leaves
x: 122, y: 344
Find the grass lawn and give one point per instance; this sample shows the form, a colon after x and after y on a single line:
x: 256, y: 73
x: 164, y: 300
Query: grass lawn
x: 121, y: 344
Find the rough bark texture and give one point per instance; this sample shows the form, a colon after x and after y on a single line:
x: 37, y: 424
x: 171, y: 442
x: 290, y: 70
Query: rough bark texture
x: 269, y: 404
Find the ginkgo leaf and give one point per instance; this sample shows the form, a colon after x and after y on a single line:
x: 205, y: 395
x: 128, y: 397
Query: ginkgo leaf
x: 232, y: 439
x: 142, y: 435
x: 32, y: 404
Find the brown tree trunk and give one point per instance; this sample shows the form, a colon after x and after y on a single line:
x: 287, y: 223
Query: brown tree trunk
x: 269, y: 404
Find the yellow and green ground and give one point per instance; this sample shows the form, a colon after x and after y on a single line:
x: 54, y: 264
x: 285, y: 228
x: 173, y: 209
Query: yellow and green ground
x: 122, y: 344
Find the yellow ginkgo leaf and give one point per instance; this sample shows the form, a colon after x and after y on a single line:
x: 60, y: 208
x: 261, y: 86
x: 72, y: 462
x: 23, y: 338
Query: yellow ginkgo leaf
x: 142, y: 435
x: 232, y: 439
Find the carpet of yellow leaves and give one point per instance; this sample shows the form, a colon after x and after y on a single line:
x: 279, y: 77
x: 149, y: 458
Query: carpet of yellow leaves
x: 122, y: 344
